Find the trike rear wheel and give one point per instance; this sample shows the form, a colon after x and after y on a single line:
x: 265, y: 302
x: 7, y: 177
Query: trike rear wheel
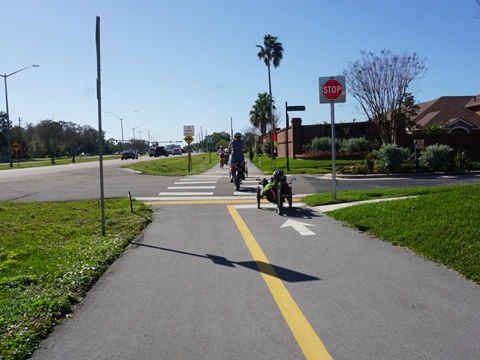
x: 279, y: 199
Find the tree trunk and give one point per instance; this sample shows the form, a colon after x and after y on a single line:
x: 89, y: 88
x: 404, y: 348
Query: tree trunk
x: 271, y: 110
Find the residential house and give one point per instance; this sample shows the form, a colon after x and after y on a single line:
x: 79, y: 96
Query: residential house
x: 458, y: 114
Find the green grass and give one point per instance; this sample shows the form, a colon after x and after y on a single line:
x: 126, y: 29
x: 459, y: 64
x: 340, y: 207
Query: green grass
x: 50, y: 255
x: 176, y: 165
x: 37, y: 162
x: 298, y: 166
x: 326, y: 198
x: 440, y: 225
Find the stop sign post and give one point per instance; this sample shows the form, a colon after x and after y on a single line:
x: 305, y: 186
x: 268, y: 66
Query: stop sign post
x: 332, y: 90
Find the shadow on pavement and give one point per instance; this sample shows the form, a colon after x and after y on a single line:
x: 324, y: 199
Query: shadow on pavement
x: 295, y: 212
x: 268, y: 269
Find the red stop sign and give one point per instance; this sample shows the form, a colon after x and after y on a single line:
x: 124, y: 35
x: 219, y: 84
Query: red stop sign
x: 332, y: 89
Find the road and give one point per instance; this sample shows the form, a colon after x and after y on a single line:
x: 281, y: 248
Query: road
x: 226, y: 280
x: 81, y: 181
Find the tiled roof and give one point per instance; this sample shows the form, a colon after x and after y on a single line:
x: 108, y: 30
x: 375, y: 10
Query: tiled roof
x: 446, y: 109
x: 475, y: 102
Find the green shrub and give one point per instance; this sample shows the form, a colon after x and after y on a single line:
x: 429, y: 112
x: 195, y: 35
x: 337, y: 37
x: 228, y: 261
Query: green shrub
x: 460, y: 160
x: 354, y: 145
x: 360, y: 168
x: 267, y: 149
x: 347, y: 146
x: 436, y: 156
x: 322, y: 144
x: 370, y: 160
x: 472, y: 165
x: 390, y: 157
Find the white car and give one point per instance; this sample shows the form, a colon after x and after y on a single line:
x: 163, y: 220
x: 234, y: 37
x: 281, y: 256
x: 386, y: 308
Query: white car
x: 176, y: 151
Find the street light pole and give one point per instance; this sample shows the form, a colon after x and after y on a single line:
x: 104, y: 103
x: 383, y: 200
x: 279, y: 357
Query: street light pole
x: 140, y: 131
x: 5, y: 76
x: 121, y: 121
x: 136, y: 127
x: 152, y: 138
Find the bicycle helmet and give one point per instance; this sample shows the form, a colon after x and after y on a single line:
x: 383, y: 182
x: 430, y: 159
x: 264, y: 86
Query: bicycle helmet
x: 237, y: 135
x: 278, y: 175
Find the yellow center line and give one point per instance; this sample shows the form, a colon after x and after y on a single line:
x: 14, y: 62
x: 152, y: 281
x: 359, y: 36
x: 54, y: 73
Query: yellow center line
x: 303, y: 332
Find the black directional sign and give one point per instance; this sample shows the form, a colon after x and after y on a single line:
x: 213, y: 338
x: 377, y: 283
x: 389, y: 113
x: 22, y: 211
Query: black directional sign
x: 296, y: 108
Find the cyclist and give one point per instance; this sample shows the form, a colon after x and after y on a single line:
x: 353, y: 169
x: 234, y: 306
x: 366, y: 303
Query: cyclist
x: 221, y: 153
x: 235, y: 148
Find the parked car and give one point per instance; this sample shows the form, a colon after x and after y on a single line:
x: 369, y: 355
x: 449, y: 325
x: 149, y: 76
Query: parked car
x: 176, y: 151
x: 151, y: 152
x: 160, y: 150
x: 129, y: 154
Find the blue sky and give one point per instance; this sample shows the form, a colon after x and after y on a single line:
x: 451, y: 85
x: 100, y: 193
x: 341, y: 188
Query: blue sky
x: 192, y: 62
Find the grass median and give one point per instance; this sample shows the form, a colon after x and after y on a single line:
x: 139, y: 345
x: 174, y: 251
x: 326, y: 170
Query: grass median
x: 298, y: 166
x: 176, y: 165
x: 38, y: 162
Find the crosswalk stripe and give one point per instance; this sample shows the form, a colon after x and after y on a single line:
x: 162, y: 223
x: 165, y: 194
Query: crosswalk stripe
x: 190, y: 187
x: 185, y: 188
x: 186, y: 193
x: 195, y: 182
x: 195, y: 177
x: 244, y: 193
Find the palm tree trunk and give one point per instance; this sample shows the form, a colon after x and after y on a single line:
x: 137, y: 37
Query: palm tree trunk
x: 271, y: 111
x: 263, y: 127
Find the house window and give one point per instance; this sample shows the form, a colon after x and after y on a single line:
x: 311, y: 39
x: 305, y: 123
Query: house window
x: 459, y: 130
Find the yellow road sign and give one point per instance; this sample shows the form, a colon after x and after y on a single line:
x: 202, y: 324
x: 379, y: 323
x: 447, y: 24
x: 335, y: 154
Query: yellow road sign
x: 16, y: 146
x: 188, y: 139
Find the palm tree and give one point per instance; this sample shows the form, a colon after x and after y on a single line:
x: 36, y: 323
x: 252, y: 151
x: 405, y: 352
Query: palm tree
x: 261, y: 113
x: 271, y: 52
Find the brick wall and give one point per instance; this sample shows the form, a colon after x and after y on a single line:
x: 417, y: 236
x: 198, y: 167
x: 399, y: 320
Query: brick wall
x: 299, y: 135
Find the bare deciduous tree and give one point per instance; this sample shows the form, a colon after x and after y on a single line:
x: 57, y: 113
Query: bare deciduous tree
x: 72, y: 134
x: 380, y: 83
x: 50, y: 134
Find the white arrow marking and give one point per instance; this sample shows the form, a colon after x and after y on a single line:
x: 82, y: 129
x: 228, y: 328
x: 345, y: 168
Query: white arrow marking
x: 299, y: 226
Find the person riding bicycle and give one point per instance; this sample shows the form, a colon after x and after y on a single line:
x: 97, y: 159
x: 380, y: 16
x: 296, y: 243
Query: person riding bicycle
x: 269, y: 188
x: 235, y: 148
x: 221, y: 153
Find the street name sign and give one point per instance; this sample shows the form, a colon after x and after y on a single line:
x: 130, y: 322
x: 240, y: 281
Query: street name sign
x: 332, y: 89
x: 296, y: 108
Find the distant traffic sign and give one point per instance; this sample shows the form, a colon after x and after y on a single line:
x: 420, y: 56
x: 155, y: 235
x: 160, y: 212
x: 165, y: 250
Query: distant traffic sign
x: 16, y: 146
x: 188, y: 130
x: 332, y: 89
x: 296, y: 108
x: 188, y: 139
